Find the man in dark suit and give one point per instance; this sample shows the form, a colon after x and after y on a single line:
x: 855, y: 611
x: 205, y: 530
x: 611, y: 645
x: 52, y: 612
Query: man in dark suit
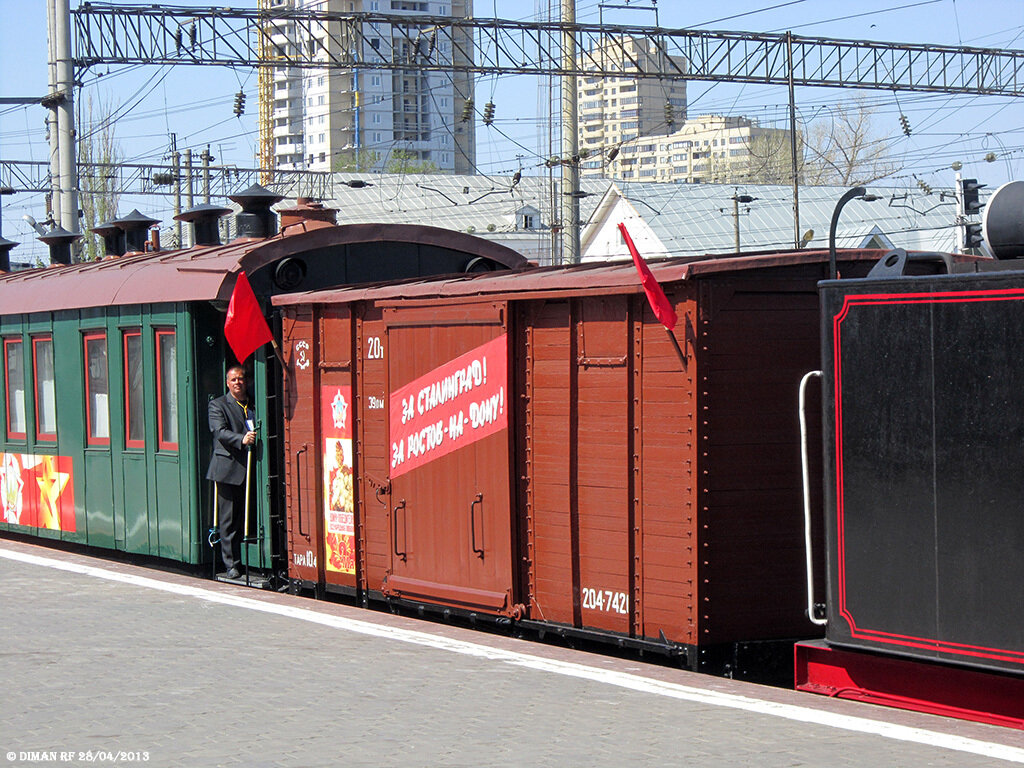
x: 232, y: 419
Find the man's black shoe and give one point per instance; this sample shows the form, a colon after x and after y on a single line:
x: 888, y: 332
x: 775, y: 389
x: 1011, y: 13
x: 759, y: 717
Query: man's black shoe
x: 233, y: 573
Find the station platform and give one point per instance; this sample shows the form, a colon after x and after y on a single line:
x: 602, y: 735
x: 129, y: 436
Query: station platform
x: 108, y: 663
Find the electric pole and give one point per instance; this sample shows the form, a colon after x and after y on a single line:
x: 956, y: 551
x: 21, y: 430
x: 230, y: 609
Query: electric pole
x: 570, y: 140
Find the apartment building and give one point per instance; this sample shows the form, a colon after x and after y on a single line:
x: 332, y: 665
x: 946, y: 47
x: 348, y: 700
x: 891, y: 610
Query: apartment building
x: 706, y: 149
x: 613, y: 110
x: 364, y: 119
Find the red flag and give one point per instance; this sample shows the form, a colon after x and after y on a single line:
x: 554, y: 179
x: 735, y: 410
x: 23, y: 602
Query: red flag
x: 245, y: 328
x: 659, y: 301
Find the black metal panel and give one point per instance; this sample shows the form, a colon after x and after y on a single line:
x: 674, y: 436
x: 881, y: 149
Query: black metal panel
x: 924, y: 425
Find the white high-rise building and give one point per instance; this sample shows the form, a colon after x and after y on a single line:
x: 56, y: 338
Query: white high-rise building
x: 614, y: 110
x: 370, y: 119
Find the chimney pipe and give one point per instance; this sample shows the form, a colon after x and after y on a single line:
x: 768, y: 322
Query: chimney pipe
x: 59, y: 241
x: 256, y: 218
x: 204, y: 219
x: 307, y: 209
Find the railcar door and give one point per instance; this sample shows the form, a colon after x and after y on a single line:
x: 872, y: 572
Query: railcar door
x: 451, y: 525
x: 335, y: 455
x: 304, y: 555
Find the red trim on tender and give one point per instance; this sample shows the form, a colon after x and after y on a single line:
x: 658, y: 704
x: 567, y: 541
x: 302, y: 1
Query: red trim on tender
x: 89, y: 439
x: 161, y: 443
x: 7, y: 394
x: 878, y: 636
x: 43, y: 437
x: 128, y: 442
x: 968, y: 694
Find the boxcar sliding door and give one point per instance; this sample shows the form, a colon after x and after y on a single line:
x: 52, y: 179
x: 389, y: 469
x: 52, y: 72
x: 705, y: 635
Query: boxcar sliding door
x: 451, y: 532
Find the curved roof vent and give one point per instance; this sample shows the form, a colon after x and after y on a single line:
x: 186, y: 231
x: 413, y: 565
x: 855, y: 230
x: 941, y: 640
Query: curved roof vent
x: 204, y: 218
x: 59, y: 242
x: 135, y: 227
x: 256, y: 218
x: 5, y: 254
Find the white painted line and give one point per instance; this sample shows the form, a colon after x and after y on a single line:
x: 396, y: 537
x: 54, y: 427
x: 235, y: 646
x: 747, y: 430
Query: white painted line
x: 568, y: 669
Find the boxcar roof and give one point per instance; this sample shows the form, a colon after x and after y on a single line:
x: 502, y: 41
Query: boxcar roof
x: 617, y: 277
x: 206, y: 272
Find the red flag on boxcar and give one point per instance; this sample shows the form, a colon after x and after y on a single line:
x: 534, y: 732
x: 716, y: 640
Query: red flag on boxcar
x: 245, y: 328
x: 659, y: 301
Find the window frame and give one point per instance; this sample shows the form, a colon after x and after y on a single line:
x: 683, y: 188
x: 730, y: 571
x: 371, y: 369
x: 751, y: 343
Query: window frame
x: 164, y: 445
x: 41, y: 436
x: 90, y: 439
x: 22, y: 436
x: 128, y: 441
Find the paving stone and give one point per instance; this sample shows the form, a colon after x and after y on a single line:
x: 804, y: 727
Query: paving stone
x: 90, y: 664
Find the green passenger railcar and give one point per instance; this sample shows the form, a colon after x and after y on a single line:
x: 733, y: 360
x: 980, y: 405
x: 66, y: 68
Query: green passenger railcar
x: 105, y: 437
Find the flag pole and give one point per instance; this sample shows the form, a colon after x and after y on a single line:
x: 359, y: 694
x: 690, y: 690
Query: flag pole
x: 675, y: 344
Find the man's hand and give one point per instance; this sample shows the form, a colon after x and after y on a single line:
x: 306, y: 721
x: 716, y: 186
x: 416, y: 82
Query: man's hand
x: 250, y: 438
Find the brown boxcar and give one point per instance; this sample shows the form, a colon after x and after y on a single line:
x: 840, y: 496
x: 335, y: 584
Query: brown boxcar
x: 531, y: 446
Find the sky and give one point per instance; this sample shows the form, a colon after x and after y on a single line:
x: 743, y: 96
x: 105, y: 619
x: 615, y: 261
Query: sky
x: 195, y: 103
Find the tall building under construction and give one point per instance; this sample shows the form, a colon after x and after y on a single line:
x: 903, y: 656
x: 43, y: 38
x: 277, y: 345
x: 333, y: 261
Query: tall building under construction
x: 369, y: 119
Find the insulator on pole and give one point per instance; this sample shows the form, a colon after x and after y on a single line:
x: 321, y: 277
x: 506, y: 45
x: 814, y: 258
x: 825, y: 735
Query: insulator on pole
x: 489, y: 113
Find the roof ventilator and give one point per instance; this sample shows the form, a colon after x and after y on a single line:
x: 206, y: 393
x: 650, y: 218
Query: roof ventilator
x: 113, y: 239
x: 256, y: 219
x: 204, y: 219
x: 59, y: 241
x: 136, y: 230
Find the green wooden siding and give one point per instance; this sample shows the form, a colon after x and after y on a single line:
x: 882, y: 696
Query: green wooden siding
x: 142, y: 500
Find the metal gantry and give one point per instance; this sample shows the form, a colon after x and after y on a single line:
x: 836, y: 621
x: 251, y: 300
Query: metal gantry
x: 155, y: 34
x: 162, y: 179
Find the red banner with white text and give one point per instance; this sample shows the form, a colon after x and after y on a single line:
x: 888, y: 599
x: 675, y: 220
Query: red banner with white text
x: 454, y: 405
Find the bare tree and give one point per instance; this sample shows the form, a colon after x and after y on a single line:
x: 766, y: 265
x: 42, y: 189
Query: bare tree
x: 845, y: 149
x: 98, y: 151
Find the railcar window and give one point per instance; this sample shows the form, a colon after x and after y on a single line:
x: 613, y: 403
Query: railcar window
x: 97, y: 397
x: 14, y: 380
x: 46, y: 397
x: 134, y: 402
x: 167, y: 390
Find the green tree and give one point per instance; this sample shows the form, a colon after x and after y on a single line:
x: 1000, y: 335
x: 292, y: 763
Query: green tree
x: 98, y: 155
x: 406, y: 161
x: 355, y: 161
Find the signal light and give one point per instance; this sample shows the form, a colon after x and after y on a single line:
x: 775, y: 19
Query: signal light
x: 488, y: 113
x: 969, y: 189
x: 239, y: 104
x: 972, y: 235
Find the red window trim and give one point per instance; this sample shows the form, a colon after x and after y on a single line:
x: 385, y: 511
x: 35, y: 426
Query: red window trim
x: 7, y: 394
x: 129, y: 443
x: 43, y: 437
x: 161, y: 443
x: 89, y: 439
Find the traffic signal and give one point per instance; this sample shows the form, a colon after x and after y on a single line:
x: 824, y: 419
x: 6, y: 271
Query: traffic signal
x: 239, y: 104
x: 972, y: 235
x: 969, y: 194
